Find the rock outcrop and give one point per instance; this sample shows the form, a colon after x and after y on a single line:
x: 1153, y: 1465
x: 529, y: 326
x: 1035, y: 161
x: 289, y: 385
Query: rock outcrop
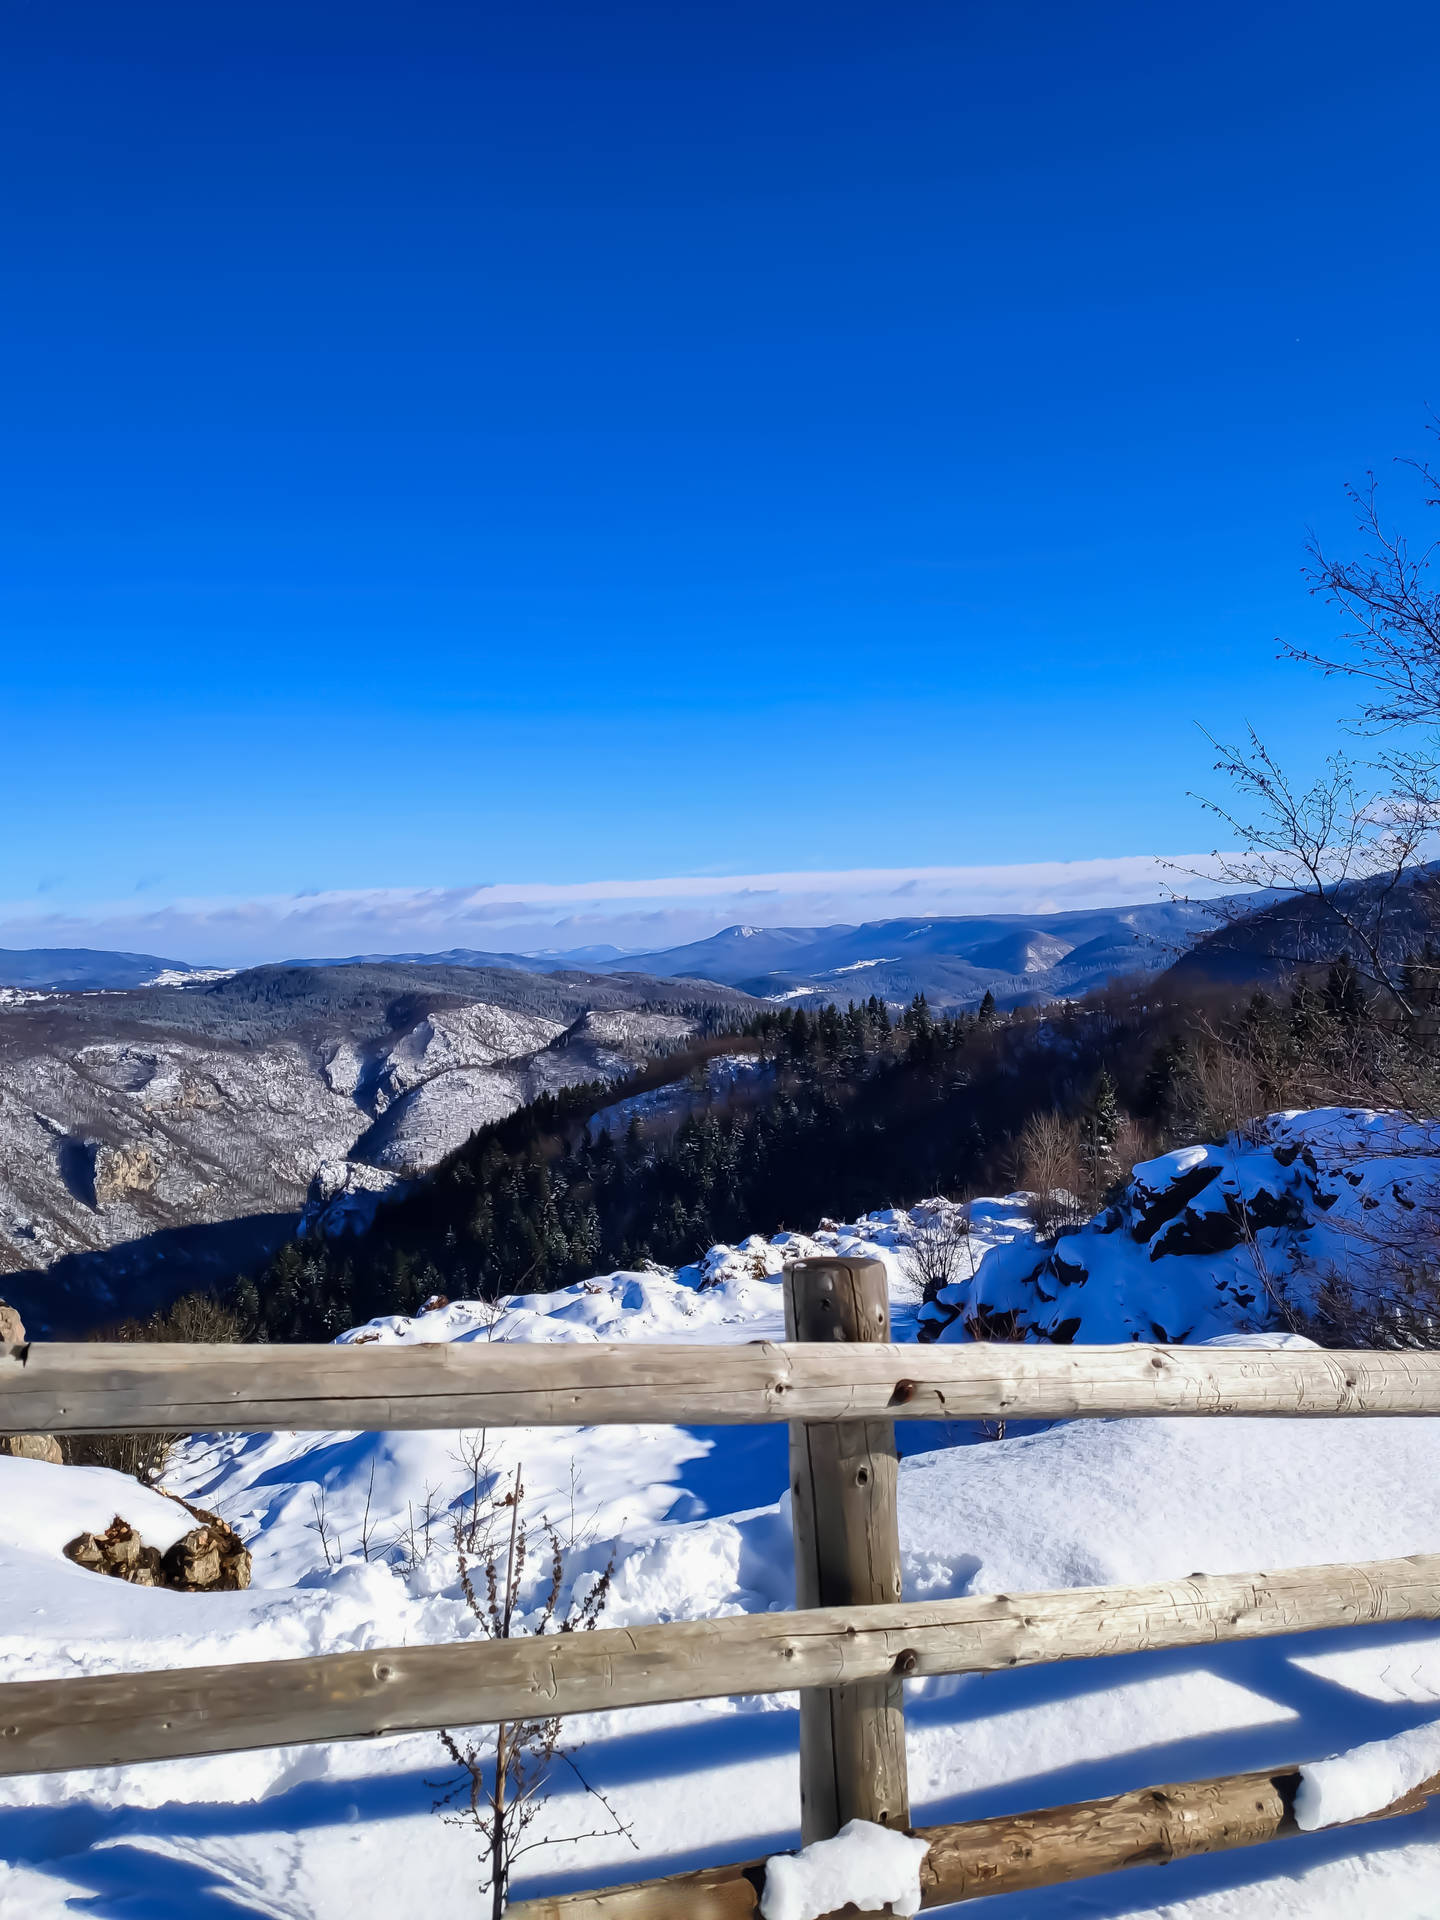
x: 1231, y: 1237
x: 211, y: 1558
x: 32, y: 1446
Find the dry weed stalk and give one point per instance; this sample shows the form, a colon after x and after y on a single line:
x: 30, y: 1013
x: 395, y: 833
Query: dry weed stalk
x: 501, y: 1789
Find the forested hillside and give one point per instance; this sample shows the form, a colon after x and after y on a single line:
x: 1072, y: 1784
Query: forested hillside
x: 855, y: 1112
x: 852, y: 1112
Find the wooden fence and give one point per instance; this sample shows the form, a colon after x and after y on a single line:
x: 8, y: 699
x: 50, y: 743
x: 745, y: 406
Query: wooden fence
x: 850, y: 1644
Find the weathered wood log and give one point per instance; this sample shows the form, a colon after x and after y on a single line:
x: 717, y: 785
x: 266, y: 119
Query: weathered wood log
x: 100, y: 1388
x: 115, y: 1718
x: 844, y: 1484
x: 1014, y: 1853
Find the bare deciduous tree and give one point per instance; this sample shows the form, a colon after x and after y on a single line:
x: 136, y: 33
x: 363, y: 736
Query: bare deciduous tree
x: 1394, y: 635
x: 1358, y: 840
x: 1359, y: 850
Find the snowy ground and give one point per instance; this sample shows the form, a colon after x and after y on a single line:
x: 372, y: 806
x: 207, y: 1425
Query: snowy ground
x: 696, y: 1523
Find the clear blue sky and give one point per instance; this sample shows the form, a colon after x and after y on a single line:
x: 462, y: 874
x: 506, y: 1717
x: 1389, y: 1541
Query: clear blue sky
x: 444, y: 444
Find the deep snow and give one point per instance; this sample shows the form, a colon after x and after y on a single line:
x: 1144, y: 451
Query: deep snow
x: 697, y: 1523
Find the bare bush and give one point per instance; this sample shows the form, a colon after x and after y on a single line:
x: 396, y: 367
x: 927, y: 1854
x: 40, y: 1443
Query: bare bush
x: 1051, y: 1157
x: 1391, y: 1303
x: 143, y: 1456
x: 937, y: 1253
x: 502, y: 1783
x: 1134, y: 1142
x: 1220, y: 1088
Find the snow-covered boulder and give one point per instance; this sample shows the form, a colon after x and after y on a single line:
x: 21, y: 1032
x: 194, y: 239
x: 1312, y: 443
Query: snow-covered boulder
x: 1216, y: 1239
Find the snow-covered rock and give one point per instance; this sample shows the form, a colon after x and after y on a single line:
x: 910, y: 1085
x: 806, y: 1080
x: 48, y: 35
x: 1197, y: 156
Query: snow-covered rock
x: 457, y: 1037
x: 344, y: 1196
x: 1213, y: 1239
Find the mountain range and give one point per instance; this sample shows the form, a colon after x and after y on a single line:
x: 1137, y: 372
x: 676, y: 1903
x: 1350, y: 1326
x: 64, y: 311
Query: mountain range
x: 183, y: 1121
x: 1022, y: 959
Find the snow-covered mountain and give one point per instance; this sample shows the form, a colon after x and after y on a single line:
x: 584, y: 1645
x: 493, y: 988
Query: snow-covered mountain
x: 351, y: 1543
x: 1021, y: 959
x: 180, y: 1131
x: 955, y: 960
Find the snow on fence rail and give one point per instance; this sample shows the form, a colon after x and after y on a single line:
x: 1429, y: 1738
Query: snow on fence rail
x: 1014, y: 1853
x: 840, y: 1385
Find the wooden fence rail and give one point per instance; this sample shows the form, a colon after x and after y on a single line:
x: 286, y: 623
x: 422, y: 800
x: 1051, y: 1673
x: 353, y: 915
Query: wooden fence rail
x: 100, y: 1388
x: 1014, y: 1853
x: 848, y: 1648
x: 113, y: 1719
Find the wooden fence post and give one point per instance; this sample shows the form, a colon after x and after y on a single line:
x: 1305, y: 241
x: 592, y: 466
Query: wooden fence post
x: 843, y: 1482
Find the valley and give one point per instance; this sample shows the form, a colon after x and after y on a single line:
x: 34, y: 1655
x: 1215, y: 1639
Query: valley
x: 184, y: 1130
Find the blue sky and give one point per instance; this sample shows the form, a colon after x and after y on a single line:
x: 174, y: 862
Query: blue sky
x: 447, y: 445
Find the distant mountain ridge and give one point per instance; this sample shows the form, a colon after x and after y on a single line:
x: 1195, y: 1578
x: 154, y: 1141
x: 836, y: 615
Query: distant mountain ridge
x: 1022, y: 959
x: 71, y: 969
x: 547, y: 960
x: 954, y: 960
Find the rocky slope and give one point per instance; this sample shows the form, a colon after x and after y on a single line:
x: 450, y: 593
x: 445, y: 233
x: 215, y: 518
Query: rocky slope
x: 1277, y: 1224
x: 129, y: 1118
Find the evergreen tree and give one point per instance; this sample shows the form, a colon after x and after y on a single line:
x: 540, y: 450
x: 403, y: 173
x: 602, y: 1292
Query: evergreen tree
x: 1099, y: 1129
x: 986, y: 1012
x: 843, y: 1119
x: 917, y: 1019
x: 800, y: 1036
x: 1162, y: 1079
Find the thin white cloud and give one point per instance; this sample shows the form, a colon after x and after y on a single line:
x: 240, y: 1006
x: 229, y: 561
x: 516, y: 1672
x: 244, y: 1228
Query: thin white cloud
x: 626, y: 913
